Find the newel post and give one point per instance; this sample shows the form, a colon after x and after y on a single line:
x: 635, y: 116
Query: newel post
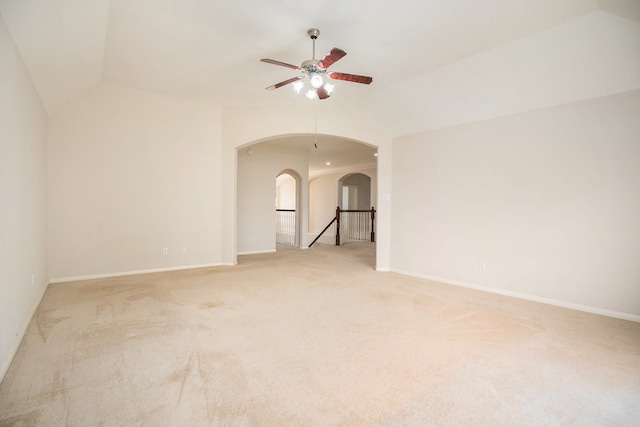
x: 373, y: 217
x: 338, y: 226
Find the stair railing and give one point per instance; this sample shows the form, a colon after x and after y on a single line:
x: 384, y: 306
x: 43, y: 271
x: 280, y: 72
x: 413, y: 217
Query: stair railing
x: 322, y: 232
x: 286, y: 226
x: 352, y: 226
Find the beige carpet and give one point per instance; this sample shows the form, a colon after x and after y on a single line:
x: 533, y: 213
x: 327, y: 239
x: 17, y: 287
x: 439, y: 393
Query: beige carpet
x: 315, y: 338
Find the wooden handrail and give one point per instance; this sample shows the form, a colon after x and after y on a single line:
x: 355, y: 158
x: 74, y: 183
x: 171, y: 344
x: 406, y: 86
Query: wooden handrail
x: 338, y: 226
x: 322, y: 232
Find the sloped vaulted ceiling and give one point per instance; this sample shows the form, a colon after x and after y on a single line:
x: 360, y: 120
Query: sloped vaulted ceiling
x: 62, y: 44
x: 435, y: 63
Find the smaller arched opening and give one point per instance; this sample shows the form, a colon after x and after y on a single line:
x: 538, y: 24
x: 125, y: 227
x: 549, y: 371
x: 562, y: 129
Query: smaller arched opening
x: 355, y: 211
x: 288, y: 188
x: 354, y: 192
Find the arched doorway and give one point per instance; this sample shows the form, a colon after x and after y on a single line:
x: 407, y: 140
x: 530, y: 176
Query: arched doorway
x: 320, y: 167
x: 354, y: 192
x: 357, y: 212
x: 245, y: 127
x: 287, y: 209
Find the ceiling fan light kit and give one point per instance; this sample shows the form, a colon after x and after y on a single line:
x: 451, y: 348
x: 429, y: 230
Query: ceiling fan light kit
x: 316, y: 73
x: 316, y: 80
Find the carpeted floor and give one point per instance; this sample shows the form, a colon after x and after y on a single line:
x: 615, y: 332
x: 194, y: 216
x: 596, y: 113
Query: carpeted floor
x: 315, y: 338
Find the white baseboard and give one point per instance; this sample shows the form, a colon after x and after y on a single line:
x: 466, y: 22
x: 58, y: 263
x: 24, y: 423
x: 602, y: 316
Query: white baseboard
x: 131, y: 273
x: 14, y: 349
x: 269, y: 251
x: 528, y: 297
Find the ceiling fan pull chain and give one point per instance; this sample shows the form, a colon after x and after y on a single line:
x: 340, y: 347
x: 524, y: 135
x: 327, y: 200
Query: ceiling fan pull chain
x: 315, y: 144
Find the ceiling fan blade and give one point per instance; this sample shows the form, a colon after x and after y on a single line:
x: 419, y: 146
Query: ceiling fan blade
x: 286, y: 82
x: 351, y: 78
x: 331, y: 57
x: 282, y: 64
x: 322, y: 93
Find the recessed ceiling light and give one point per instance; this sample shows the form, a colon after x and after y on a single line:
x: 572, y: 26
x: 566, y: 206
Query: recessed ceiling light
x: 328, y: 163
x: 375, y: 154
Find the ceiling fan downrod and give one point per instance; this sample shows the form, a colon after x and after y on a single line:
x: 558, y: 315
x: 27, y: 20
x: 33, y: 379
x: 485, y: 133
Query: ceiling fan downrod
x: 313, y: 33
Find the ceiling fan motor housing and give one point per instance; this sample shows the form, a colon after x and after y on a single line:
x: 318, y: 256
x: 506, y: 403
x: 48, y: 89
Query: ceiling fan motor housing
x: 315, y: 73
x: 311, y: 66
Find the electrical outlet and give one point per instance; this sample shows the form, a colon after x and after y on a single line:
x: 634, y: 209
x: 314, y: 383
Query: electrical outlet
x: 165, y: 251
x: 482, y: 265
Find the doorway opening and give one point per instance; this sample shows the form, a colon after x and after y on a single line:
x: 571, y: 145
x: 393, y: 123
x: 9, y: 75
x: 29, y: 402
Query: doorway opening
x: 355, y: 192
x: 287, y: 209
x: 306, y: 178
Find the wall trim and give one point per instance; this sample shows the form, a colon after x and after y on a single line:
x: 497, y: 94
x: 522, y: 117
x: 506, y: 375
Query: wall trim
x: 269, y: 251
x: 132, y: 273
x: 528, y: 297
x: 23, y: 331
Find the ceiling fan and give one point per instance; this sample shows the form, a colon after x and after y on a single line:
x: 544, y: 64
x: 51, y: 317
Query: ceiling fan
x: 317, y: 71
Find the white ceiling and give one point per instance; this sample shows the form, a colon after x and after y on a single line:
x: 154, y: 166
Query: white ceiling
x: 209, y: 51
x: 340, y: 153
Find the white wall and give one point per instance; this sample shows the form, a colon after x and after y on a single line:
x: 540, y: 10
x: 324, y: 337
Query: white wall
x: 549, y: 199
x: 257, y: 194
x: 131, y: 172
x: 323, y: 200
x: 363, y: 183
x: 286, y: 192
x: 23, y: 256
